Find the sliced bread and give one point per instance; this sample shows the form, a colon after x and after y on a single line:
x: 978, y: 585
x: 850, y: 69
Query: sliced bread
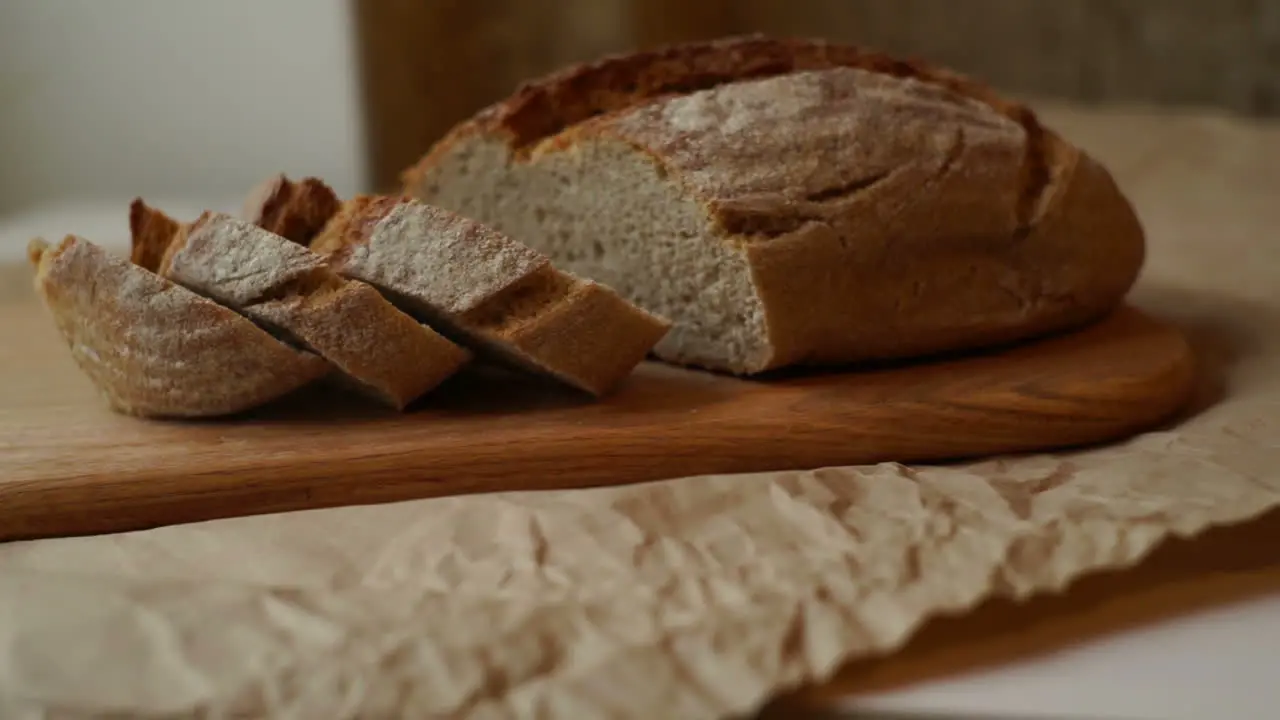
x: 156, y: 349
x: 489, y: 291
x: 151, y: 233
x: 794, y: 202
x: 290, y: 291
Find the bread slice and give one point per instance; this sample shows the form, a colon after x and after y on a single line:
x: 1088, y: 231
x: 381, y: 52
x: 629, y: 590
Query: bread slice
x: 793, y: 202
x: 151, y: 233
x: 490, y: 292
x: 291, y: 292
x: 155, y: 349
x: 296, y: 211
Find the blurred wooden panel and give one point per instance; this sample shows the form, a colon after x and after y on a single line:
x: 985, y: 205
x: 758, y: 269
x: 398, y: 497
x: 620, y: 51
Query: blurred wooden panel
x: 1173, y: 51
x: 992, y: 39
x: 427, y: 64
x: 1266, y: 98
x: 1224, y: 53
x: 658, y: 22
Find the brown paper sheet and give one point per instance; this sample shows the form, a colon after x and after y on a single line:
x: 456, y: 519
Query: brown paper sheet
x: 693, y: 598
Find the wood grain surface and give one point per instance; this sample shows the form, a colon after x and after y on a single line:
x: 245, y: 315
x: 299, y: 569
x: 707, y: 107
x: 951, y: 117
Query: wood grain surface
x: 70, y: 466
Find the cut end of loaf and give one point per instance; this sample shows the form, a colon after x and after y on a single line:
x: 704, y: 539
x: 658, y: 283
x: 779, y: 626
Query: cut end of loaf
x: 635, y: 232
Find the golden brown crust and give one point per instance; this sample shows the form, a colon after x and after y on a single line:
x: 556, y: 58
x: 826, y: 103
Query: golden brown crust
x: 296, y: 211
x: 152, y: 232
x: 155, y: 349
x: 588, y: 336
x: 391, y: 355
x: 544, y: 108
x: 881, y: 136
x: 1074, y: 265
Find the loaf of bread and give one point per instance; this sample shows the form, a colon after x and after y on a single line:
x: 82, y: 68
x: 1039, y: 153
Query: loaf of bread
x: 291, y: 292
x: 490, y: 292
x: 790, y: 202
x: 153, y: 348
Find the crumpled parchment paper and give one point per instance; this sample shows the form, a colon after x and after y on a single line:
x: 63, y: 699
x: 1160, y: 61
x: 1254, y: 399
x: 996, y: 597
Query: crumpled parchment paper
x: 693, y: 598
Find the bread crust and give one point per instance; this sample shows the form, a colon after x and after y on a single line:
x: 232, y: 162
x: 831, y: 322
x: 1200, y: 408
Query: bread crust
x: 155, y: 349
x: 151, y: 232
x: 543, y: 107
x: 289, y: 289
x: 454, y: 264
x: 296, y: 211
x: 886, y: 208
x: 490, y: 291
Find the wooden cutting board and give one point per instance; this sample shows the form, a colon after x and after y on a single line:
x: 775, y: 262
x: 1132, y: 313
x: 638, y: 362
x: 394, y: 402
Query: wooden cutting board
x: 69, y: 466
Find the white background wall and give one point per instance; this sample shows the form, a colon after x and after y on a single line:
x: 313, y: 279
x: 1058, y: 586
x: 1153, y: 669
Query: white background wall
x: 102, y: 100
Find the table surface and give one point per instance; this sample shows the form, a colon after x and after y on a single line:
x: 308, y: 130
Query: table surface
x: 1187, y: 634
x: 1217, y: 663
x: 1190, y: 632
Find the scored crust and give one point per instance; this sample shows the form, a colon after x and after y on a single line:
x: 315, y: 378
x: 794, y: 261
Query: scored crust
x: 290, y: 291
x: 296, y: 211
x: 543, y: 109
x: 490, y: 291
x: 879, y: 208
x: 155, y: 349
x: 150, y: 233
x: 546, y: 106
